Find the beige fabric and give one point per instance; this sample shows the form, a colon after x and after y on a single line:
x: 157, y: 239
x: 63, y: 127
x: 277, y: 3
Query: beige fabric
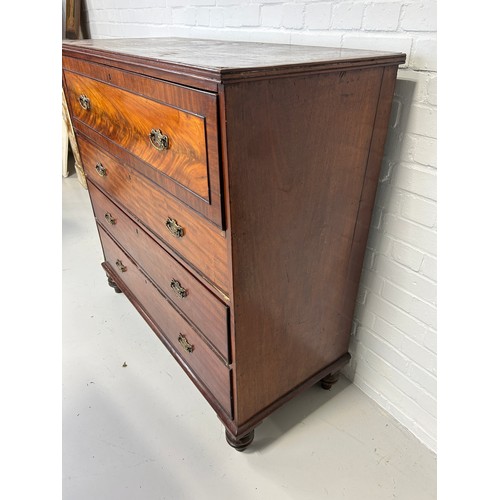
x: 69, y: 136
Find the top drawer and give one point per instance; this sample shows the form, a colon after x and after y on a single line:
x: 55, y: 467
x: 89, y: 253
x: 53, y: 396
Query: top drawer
x: 166, y: 131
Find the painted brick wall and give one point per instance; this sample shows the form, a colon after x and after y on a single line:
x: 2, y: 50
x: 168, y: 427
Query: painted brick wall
x: 394, y: 334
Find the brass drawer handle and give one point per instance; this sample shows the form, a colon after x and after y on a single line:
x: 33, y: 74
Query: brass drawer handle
x: 101, y: 170
x: 158, y: 139
x: 109, y: 218
x: 174, y: 228
x: 120, y: 265
x: 178, y: 289
x: 84, y: 102
x: 183, y: 341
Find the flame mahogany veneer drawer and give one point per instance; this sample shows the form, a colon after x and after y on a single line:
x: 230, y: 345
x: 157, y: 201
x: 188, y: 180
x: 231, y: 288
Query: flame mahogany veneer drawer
x: 200, y: 306
x: 201, y: 244
x: 208, y: 369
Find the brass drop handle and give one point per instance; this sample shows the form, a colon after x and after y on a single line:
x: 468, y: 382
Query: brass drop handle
x: 119, y: 264
x: 101, y: 170
x: 109, y: 218
x: 158, y: 139
x: 84, y: 102
x: 183, y: 341
x: 178, y: 289
x: 174, y: 228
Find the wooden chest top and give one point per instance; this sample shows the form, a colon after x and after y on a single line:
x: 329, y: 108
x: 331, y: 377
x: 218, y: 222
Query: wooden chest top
x: 224, y: 61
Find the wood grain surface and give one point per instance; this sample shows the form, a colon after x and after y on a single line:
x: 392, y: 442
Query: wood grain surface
x: 202, y: 361
x: 197, y: 102
x: 224, y: 61
x: 128, y: 120
x: 203, y: 247
x: 207, y: 313
x: 296, y: 166
x: 273, y: 184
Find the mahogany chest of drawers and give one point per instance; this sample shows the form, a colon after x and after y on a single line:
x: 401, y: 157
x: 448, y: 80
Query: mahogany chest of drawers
x: 233, y: 185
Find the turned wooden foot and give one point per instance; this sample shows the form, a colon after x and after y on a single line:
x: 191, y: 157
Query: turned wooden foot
x: 112, y: 284
x: 329, y: 380
x: 239, y: 443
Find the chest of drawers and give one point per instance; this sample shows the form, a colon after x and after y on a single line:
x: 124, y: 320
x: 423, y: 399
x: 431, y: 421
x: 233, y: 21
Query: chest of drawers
x: 232, y: 186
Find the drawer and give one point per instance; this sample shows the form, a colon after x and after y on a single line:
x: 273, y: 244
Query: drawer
x: 188, y: 235
x: 165, y: 131
x: 199, y: 305
x: 204, y: 365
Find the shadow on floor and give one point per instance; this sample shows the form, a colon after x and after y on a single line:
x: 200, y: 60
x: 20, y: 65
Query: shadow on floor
x: 293, y: 413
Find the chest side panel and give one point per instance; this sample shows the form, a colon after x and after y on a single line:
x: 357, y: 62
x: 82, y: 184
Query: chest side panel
x: 298, y: 150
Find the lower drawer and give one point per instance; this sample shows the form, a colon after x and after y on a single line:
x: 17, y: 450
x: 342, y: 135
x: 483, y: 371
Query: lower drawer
x: 197, y: 358
x: 202, y: 308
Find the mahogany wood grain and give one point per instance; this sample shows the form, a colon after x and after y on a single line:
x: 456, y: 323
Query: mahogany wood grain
x: 203, y: 362
x: 369, y: 191
x: 128, y: 120
x: 203, y: 63
x: 240, y: 429
x: 199, y: 306
x: 296, y: 167
x: 202, y: 246
x: 275, y: 226
x: 202, y: 104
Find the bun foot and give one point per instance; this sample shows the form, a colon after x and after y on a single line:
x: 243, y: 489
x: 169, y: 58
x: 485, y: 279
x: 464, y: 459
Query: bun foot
x: 241, y: 443
x: 112, y: 284
x: 329, y: 380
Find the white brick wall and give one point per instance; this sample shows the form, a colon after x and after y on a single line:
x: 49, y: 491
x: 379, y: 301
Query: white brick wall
x: 394, y: 335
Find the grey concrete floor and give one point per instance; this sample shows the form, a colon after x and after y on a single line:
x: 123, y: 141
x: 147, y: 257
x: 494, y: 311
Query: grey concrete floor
x: 144, y: 432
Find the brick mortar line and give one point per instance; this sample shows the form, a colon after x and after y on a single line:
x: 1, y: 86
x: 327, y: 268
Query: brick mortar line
x: 424, y: 252
x: 406, y: 219
x: 405, y: 375
x: 411, y: 419
x: 417, y: 274
x: 412, y: 192
x: 404, y: 335
x: 418, y: 321
x: 408, y: 292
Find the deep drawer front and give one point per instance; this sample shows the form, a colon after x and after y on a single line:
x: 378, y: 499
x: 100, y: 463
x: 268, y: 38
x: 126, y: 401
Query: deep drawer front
x: 180, y: 286
x: 132, y: 115
x: 199, y: 358
x: 191, y: 237
x: 177, y: 146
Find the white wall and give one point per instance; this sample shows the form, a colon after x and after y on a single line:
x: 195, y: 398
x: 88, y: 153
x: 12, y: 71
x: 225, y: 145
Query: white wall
x: 394, y: 336
x: 63, y: 19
